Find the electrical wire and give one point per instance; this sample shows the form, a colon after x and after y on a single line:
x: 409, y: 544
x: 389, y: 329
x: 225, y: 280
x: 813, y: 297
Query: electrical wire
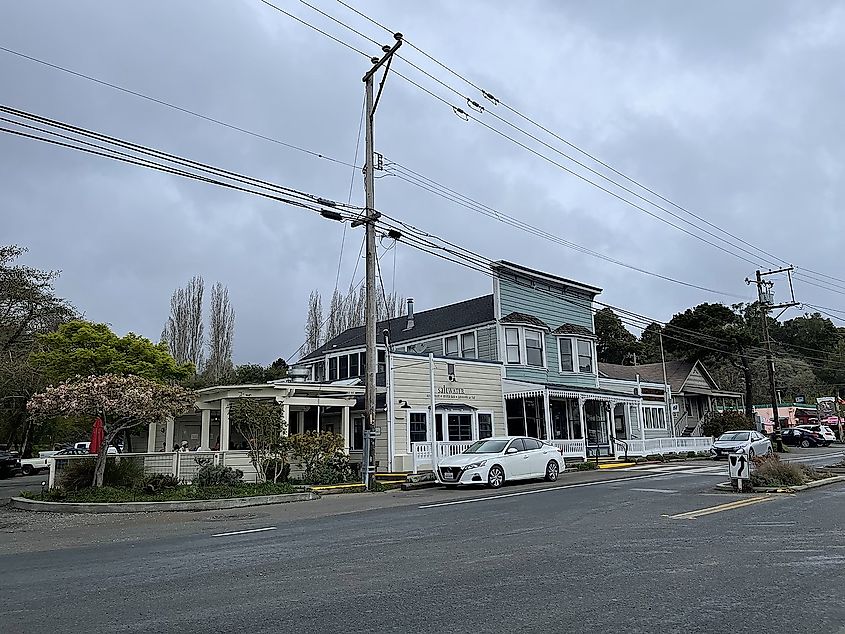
x: 173, y: 106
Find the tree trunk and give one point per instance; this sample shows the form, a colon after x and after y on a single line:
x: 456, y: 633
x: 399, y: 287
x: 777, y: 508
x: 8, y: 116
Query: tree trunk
x: 749, y: 397
x: 100, y: 465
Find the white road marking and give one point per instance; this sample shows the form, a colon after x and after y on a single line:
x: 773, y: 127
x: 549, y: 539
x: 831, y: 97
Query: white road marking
x: 251, y: 530
x: 546, y: 490
x: 656, y: 490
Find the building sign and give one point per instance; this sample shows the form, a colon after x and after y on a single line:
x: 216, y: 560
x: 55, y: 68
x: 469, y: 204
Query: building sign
x: 453, y: 393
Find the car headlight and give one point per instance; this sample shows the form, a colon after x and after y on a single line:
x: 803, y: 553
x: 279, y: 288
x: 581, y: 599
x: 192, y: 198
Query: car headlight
x: 475, y: 465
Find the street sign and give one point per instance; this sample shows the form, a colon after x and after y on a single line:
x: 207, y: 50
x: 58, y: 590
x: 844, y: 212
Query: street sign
x: 739, y: 468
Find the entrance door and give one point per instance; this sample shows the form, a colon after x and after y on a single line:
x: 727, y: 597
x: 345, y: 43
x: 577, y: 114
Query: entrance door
x: 598, y: 436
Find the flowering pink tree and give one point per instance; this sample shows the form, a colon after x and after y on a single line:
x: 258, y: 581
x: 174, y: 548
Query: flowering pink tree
x: 122, y: 402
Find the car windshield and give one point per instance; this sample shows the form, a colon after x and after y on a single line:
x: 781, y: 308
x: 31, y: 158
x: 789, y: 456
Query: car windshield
x: 734, y: 435
x: 487, y: 446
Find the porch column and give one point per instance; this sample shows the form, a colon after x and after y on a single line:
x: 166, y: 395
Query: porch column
x: 610, y: 421
x: 547, y: 414
x: 168, y: 434
x: 151, y: 437
x: 205, y: 430
x: 224, y: 424
x: 286, y: 418
x: 581, y: 418
x: 344, y: 428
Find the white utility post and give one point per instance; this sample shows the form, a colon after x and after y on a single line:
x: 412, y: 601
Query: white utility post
x: 370, y: 316
x: 432, y: 425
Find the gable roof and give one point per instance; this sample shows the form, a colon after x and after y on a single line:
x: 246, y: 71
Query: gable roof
x: 677, y: 373
x: 427, y: 323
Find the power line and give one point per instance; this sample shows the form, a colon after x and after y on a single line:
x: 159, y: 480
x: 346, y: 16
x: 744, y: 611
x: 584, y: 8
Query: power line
x: 476, y: 106
x: 496, y: 101
x: 173, y: 106
x: 423, y: 182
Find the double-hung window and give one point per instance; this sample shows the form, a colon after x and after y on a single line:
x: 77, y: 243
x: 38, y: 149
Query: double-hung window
x: 654, y: 418
x: 576, y: 355
x: 512, y: 345
x: 534, y: 348
x: 332, y: 368
x: 418, y: 426
x: 462, y: 345
x: 585, y: 355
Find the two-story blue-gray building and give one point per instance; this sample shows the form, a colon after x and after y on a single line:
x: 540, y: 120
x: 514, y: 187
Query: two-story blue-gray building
x: 540, y: 328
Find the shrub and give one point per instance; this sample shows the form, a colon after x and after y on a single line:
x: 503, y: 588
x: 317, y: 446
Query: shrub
x: 78, y: 473
x: 691, y: 454
x: 277, y: 470
x: 655, y: 457
x: 333, y: 470
x: 157, y: 482
x: 314, y: 450
x: 717, y: 423
x: 217, y: 475
x: 587, y: 465
x: 770, y: 471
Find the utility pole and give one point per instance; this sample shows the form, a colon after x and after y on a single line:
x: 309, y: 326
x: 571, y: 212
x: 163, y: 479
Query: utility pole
x: 765, y: 298
x: 371, y: 216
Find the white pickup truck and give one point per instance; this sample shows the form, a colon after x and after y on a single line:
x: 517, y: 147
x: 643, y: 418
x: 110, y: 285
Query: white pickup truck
x: 31, y: 466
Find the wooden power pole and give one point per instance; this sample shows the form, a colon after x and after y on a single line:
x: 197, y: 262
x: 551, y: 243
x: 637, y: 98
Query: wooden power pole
x: 370, y: 316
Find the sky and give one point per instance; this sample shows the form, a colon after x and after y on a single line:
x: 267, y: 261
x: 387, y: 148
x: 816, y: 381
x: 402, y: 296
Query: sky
x: 731, y: 110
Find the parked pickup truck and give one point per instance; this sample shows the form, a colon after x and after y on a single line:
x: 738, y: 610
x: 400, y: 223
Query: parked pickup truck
x: 30, y: 466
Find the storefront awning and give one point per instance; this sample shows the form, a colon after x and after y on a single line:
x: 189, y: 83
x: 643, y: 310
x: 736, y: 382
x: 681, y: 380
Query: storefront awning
x: 453, y: 407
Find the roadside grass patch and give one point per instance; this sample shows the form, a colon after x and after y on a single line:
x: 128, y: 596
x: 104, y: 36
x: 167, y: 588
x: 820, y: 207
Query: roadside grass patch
x: 585, y: 466
x: 771, y: 471
x: 183, y: 492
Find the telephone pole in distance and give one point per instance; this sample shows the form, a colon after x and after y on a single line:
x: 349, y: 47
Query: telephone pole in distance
x: 765, y: 297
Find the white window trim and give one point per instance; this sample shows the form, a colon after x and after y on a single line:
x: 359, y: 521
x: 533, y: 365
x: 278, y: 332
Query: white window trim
x: 573, y: 349
x: 523, y: 352
x: 476, y: 431
x: 659, y: 414
x: 459, y: 337
x: 408, y: 413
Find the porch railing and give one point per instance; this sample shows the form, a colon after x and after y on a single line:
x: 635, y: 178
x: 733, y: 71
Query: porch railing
x: 576, y: 448
x: 668, y: 445
x: 182, y: 465
x: 421, y: 451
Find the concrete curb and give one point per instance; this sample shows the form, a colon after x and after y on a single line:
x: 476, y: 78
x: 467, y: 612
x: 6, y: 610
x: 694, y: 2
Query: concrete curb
x: 25, y: 504
x: 724, y: 486
x: 411, y: 486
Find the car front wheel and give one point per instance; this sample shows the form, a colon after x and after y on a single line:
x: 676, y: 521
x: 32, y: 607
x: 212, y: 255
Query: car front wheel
x: 496, y: 477
x: 552, y: 471
x: 27, y: 470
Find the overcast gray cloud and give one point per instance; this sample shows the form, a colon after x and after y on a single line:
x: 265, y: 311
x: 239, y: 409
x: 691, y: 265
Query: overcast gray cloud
x: 732, y: 109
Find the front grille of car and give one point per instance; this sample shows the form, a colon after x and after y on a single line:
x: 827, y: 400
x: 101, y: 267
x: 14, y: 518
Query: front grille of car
x: 450, y: 474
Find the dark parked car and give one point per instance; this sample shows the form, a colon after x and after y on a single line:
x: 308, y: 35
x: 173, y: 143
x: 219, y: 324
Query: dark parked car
x: 802, y: 437
x: 10, y: 464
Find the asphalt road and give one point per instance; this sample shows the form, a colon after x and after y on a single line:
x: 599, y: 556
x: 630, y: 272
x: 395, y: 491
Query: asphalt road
x: 646, y: 550
x: 10, y: 487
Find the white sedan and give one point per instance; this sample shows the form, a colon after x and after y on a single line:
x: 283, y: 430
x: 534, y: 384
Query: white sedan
x: 492, y: 460
x: 751, y: 443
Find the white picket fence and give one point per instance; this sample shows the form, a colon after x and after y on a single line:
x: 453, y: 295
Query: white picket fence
x: 652, y: 446
x: 183, y: 465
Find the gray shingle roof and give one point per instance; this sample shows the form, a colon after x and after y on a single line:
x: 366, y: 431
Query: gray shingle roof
x: 522, y: 318
x: 573, y: 329
x: 471, y: 312
x: 676, y: 372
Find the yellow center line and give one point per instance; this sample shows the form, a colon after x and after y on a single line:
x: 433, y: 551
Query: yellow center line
x: 691, y: 515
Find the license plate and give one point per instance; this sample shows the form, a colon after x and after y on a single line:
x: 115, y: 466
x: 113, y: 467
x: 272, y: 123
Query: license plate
x: 448, y: 476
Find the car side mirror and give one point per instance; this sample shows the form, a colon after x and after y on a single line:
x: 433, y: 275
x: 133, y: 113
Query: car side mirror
x: 512, y: 450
